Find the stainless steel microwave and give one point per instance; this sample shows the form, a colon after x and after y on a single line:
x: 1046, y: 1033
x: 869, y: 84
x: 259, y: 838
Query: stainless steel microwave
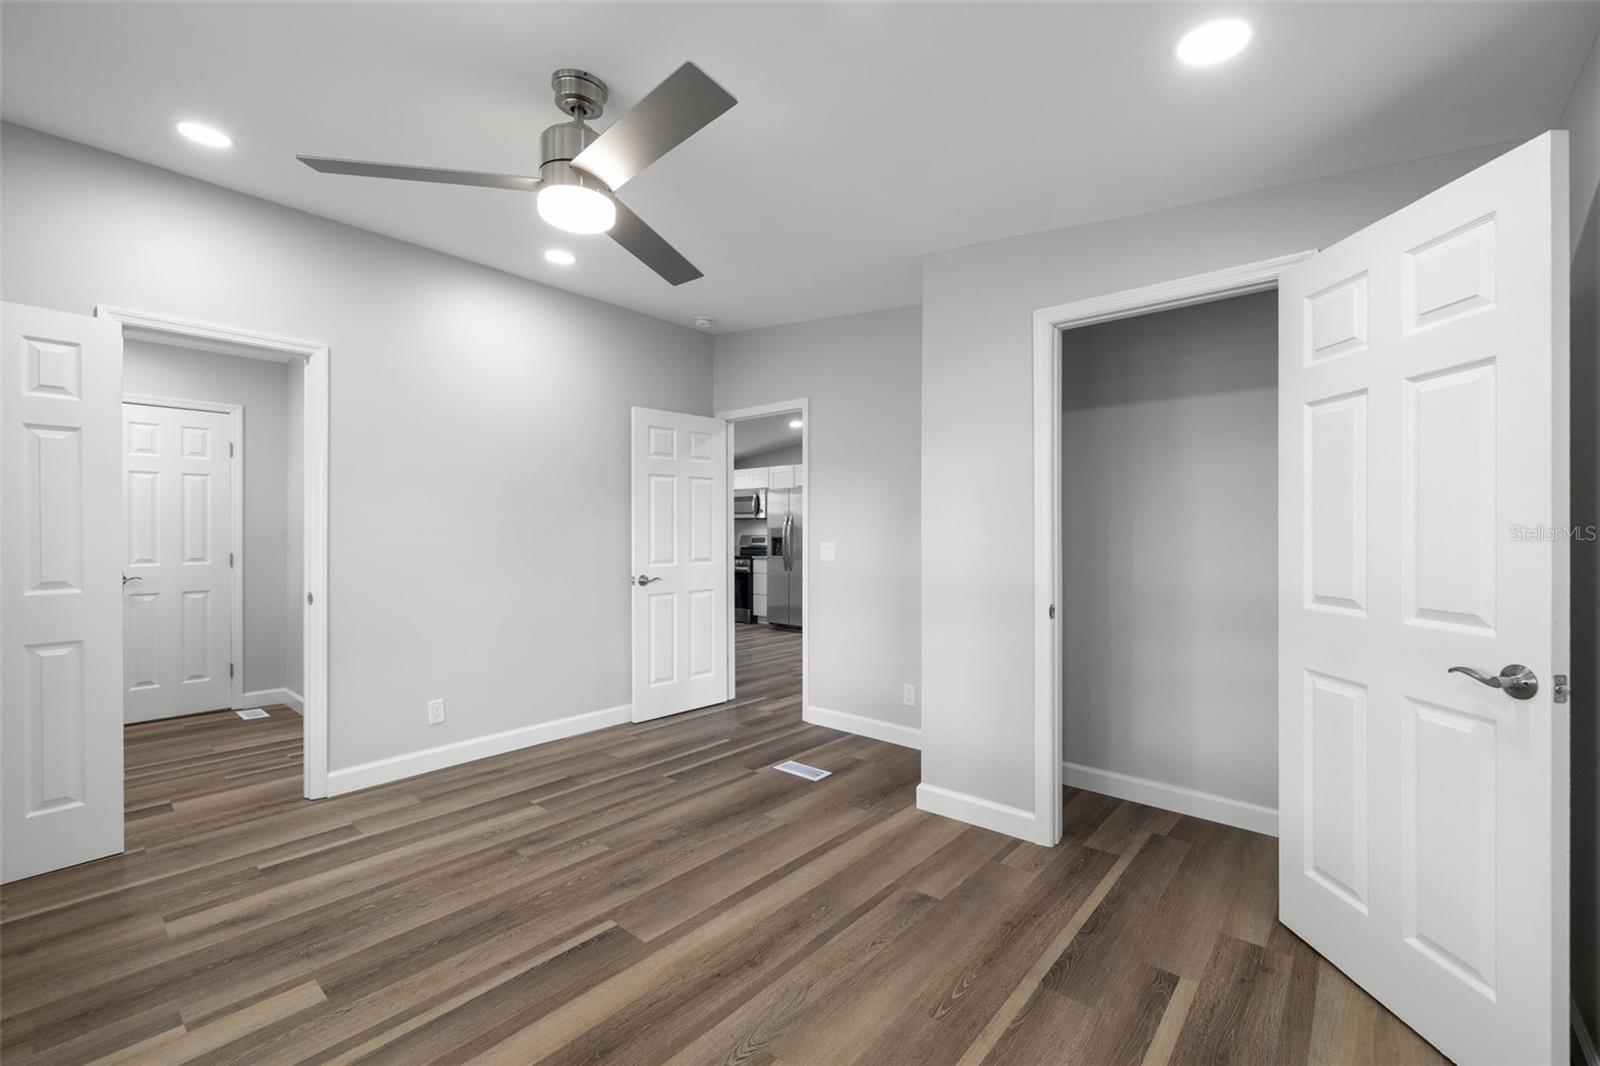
x: 747, y: 505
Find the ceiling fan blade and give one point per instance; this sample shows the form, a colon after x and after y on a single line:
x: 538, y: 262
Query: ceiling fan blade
x: 405, y: 173
x: 668, y: 115
x: 648, y: 246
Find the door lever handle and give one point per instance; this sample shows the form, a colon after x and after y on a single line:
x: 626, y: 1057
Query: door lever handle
x: 1516, y: 680
x: 642, y: 580
x: 126, y: 578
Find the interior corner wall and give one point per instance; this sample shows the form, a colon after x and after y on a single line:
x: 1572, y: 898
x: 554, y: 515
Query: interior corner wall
x: 478, y: 424
x: 977, y: 436
x: 1169, y: 528
x: 1581, y: 118
x: 860, y: 373
x: 261, y: 388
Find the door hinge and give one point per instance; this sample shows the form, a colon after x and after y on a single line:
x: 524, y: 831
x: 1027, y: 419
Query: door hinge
x: 230, y: 669
x: 230, y: 560
x: 1052, y: 611
x: 230, y: 449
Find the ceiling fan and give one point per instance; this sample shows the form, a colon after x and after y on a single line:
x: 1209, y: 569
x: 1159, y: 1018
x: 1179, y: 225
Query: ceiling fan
x: 580, y: 170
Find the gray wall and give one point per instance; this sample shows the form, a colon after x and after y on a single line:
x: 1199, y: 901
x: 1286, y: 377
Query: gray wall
x: 262, y: 388
x: 479, y: 432
x: 788, y: 455
x: 1582, y: 118
x: 860, y: 373
x: 1169, y: 439
x: 977, y: 431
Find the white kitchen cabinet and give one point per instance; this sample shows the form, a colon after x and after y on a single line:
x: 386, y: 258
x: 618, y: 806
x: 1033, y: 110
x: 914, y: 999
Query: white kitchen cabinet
x: 774, y: 477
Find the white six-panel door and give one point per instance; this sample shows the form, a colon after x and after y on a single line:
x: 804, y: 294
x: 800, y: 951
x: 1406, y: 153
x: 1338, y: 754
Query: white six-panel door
x: 60, y: 626
x: 681, y: 562
x: 178, y: 597
x: 1422, y: 427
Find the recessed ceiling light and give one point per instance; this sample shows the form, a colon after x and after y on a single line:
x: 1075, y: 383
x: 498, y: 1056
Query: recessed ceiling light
x: 796, y: 424
x: 200, y: 133
x: 1212, y: 42
x: 560, y: 257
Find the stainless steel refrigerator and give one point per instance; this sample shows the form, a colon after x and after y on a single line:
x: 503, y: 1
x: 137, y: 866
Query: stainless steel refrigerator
x: 786, y: 512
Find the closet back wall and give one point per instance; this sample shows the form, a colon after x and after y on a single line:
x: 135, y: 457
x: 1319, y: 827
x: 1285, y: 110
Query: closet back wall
x: 478, y: 494
x: 1169, y: 542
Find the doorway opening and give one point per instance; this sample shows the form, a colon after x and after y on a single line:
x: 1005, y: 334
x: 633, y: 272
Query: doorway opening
x: 1168, y: 619
x: 224, y: 489
x: 768, y: 450
x: 1051, y: 328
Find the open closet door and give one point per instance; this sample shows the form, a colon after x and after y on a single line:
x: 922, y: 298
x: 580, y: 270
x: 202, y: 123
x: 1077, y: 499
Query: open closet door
x: 682, y: 566
x: 1422, y: 492
x: 61, y: 608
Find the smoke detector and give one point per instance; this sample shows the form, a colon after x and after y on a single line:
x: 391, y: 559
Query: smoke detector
x: 702, y: 322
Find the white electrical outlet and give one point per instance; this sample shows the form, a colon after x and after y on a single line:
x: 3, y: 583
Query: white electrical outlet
x: 909, y: 696
x: 435, y: 712
x: 827, y: 551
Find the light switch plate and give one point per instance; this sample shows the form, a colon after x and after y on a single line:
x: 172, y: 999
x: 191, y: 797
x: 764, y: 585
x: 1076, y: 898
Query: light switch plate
x: 827, y: 551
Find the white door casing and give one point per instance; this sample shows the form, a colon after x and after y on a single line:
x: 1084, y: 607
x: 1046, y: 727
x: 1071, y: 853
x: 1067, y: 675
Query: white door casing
x: 60, y: 631
x: 317, y: 359
x: 680, y: 544
x: 1422, y: 419
x: 178, y: 600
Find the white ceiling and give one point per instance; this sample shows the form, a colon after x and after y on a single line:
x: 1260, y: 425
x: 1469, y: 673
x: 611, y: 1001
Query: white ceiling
x: 866, y: 135
x: 757, y: 435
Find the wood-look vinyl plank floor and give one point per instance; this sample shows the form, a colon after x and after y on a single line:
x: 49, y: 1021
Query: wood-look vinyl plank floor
x: 654, y: 893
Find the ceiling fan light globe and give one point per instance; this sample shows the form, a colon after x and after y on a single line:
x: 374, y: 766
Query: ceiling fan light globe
x: 577, y: 209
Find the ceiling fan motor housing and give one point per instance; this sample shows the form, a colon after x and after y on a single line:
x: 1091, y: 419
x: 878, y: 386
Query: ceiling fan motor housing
x: 583, y: 96
x: 558, y: 146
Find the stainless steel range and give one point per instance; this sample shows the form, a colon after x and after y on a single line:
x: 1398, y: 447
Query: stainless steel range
x: 744, y: 596
x: 751, y: 546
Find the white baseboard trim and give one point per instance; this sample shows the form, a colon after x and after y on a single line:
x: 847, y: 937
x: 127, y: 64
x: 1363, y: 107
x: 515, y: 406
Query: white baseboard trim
x: 1207, y: 805
x: 268, y: 696
x: 1585, y: 1038
x: 1012, y: 821
x: 876, y: 728
x: 382, y: 771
